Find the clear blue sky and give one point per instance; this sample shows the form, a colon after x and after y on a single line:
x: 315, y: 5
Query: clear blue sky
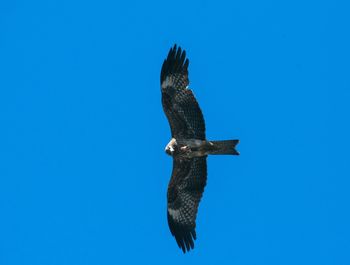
x: 83, y: 173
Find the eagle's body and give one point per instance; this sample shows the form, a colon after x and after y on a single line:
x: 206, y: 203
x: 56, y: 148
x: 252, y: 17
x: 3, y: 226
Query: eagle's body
x: 188, y: 147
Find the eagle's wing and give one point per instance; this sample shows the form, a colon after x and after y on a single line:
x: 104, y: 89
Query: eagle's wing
x: 179, y: 104
x: 185, y: 190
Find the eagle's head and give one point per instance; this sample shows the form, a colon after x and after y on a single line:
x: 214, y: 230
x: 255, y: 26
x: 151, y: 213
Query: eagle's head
x: 171, y: 147
x: 169, y: 151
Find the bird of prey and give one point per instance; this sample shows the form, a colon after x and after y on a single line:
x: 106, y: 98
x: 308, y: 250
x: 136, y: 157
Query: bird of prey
x: 188, y: 148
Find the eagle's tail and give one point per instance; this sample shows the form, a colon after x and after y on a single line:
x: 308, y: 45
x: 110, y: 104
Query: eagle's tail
x: 226, y: 147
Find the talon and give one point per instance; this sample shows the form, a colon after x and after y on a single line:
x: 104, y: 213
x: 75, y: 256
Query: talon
x: 185, y: 148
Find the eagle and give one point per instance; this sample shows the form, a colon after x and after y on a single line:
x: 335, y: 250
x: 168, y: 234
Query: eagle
x: 188, y: 147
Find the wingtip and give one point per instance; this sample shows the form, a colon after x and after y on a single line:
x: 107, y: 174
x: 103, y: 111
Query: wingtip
x: 185, y: 240
x: 184, y: 236
x: 175, y: 62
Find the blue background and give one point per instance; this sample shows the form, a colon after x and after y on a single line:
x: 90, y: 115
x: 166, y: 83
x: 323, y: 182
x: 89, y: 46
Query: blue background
x: 83, y: 173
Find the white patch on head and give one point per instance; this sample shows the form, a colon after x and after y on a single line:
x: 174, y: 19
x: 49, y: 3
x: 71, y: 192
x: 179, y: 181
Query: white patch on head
x: 175, y: 214
x: 170, y: 145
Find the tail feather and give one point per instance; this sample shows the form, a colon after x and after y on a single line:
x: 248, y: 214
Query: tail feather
x: 226, y: 147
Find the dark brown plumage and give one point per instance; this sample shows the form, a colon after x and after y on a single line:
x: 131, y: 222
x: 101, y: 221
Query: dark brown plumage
x: 188, y: 147
x: 184, y: 193
x: 179, y: 104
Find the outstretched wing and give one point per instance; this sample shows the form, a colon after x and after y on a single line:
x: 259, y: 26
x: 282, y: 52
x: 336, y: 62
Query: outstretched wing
x: 179, y: 104
x: 185, y: 190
